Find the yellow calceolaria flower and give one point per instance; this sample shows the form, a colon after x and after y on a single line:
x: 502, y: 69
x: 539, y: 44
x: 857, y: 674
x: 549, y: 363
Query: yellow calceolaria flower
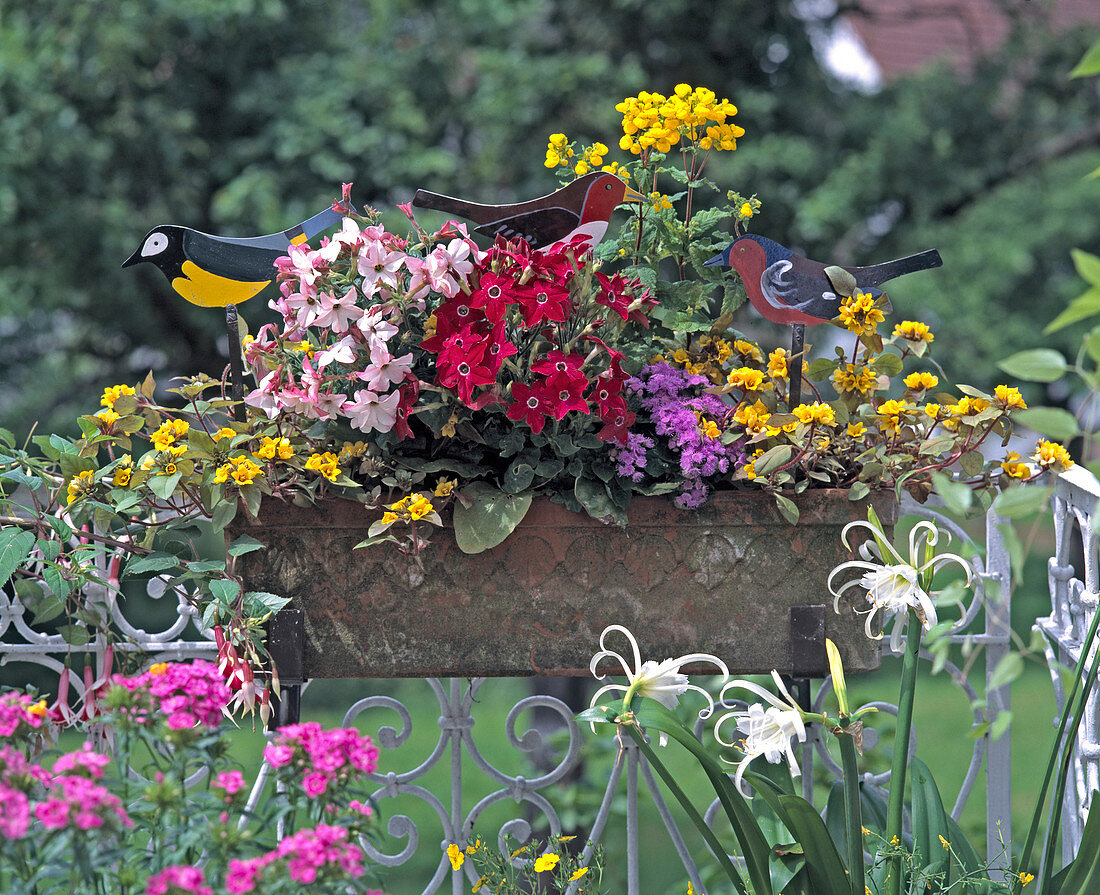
x: 108, y: 416
x: 558, y: 151
x: 1026, y: 877
x: 856, y: 430
x: 777, y: 364
x: 747, y: 379
x: 913, y: 331
x: 891, y: 412
x: 224, y: 432
x: 815, y: 413
x: 455, y: 855
x: 389, y: 518
x: 854, y: 378
x: 753, y: 417
x: 1009, y: 398
x: 444, y: 487
x: 123, y: 471
x: 112, y: 393
x: 652, y: 121
x: 271, y: 448
x: 577, y: 874
x: 946, y: 845
x: 921, y: 382
x: 1014, y: 467
x: 327, y: 464
x: 420, y: 507
x: 745, y: 211
x: 748, y: 350
x: 1047, y: 453
x: 546, y: 861
x: 158, y: 669
x: 658, y: 200
x: 81, y: 485
x: 858, y: 313
x: 709, y: 428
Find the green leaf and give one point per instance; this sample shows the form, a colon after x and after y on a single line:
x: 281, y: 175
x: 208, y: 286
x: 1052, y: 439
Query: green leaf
x: 821, y: 368
x: 593, y: 496
x: 49, y: 607
x: 76, y: 635
x: 163, y: 485
x: 1008, y: 669
x: 1084, y: 878
x: 244, y: 544
x: 519, y: 477
x: 151, y: 562
x: 972, y: 463
x: 771, y: 460
x: 787, y: 508
x: 224, y: 513
x: 1088, y: 266
x: 57, y: 582
x: 1025, y: 501
x: 484, y: 516
x: 1035, y: 365
x: 887, y: 363
x: 225, y: 590
x: 1092, y: 344
x: 858, y: 491
x: 252, y: 495
x: 957, y: 498
x: 1089, y: 64
x: 258, y: 602
x: 1053, y: 422
x: 843, y: 282
x: 929, y: 818
x: 1081, y: 308
x: 15, y: 546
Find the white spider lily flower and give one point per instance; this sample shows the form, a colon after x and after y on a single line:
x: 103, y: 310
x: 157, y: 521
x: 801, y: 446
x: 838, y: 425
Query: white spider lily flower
x: 661, y: 681
x: 769, y: 731
x: 894, y: 585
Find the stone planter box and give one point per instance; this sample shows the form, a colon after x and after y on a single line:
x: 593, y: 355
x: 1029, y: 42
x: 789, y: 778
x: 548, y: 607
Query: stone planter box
x: 732, y: 578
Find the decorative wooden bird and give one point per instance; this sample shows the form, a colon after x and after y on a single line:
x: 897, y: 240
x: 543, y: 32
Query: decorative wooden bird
x: 787, y: 288
x: 217, y: 271
x: 583, y: 207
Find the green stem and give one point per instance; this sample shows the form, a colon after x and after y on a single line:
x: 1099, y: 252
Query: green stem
x: 853, y: 815
x: 1051, y: 839
x: 896, y: 805
x: 1067, y: 712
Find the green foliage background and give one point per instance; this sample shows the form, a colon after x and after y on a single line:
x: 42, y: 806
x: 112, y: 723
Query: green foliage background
x: 243, y: 116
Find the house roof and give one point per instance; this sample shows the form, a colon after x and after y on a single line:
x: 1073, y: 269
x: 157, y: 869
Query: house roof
x: 902, y: 35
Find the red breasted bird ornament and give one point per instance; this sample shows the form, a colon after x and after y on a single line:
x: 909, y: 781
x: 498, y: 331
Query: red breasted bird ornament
x: 581, y: 208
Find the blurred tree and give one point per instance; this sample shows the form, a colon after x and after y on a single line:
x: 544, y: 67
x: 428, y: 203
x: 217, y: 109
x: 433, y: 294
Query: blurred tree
x: 243, y: 116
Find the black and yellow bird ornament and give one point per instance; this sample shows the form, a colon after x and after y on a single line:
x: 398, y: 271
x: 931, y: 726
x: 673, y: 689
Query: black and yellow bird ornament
x: 218, y: 271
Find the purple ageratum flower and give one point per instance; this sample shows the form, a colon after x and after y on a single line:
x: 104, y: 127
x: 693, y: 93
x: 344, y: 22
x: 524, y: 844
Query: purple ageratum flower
x: 674, y: 400
x: 630, y: 459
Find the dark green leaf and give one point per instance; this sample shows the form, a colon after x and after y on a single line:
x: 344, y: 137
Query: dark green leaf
x: 887, y: 363
x: 787, y: 508
x: 224, y: 590
x: 163, y: 485
x: 1081, y: 308
x: 224, y: 512
x: 151, y: 562
x: 244, y: 544
x: 15, y: 546
x: 76, y: 635
x: 519, y: 477
x: 821, y: 368
x: 1022, y: 501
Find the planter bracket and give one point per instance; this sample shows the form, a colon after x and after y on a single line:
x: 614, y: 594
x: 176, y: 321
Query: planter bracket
x: 286, y: 641
x: 808, y: 658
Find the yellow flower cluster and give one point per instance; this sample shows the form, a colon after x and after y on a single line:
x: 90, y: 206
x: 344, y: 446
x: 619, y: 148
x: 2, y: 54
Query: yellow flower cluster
x: 921, y: 382
x: 709, y: 428
x: 352, y: 449
x: 1014, y: 467
x: 591, y: 158
x: 327, y: 464
x: 748, y: 379
x: 166, y: 436
x: 409, y: 508
x: 444, y: 487
x: 558, y: 151
x: 81, y: 485
x: 272, y: 448
x: 858, y: 313
x: 658, y: 200
x: 817, y: 412
x: 892, y: 412
x: 123, y: 471
x: 240, y: 468
x: 653, y: 121
x: 914, y: 331
x: 224, y: 432
x: 112, y: 393
x: 854, y: 378
x: 777, y: 364
x: 1009, y: 397
x: 108, y: 416
x: 1049, y: 453
x: 753, y: 417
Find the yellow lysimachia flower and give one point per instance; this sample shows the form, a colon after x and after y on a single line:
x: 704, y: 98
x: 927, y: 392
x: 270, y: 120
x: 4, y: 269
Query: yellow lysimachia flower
x: 815, y: 413
x: 113, y: 392
x: 914, y: 331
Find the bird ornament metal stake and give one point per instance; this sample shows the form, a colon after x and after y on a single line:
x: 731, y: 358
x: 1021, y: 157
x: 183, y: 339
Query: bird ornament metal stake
x: 787, y: 288
x: 221, y: 272
x: 581, y: 208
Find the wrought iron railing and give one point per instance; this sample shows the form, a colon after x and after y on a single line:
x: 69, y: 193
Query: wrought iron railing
x: 985, y: 623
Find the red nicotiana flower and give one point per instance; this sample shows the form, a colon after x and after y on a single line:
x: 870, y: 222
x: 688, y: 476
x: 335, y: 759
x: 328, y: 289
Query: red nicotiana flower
x: 542, y: 301
x: 467, y: 373
x: 529, y: 404
x: 616, y: 419
x: 493, y: 295
x: 451, y: 317
x: 499, y: 347
x: 409, y: 390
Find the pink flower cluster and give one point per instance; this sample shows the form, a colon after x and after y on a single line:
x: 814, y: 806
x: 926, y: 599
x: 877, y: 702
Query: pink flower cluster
x: 188, y: 693
x: 323, y: 756
x: 306, y: 854
x: 179, y: 879
x: 66, y: 796
x: 19, y: 712
x: 335, y: 357
x: 80, y: 802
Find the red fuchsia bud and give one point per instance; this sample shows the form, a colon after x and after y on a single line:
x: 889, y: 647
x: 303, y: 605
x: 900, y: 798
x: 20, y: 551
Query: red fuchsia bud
x: 113, y: 568
x: 265, y: 706
x: 219, y: 638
